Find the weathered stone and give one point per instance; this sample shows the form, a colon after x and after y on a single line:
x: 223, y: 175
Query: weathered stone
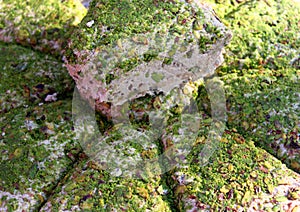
x: 36, y: 139
x: 125, y: 51
x: 86, y: 3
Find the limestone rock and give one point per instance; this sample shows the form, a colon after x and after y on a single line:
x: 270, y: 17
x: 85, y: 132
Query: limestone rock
x: 125, y: 51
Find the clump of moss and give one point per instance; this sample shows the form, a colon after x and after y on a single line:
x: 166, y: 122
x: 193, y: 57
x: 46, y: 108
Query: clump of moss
x: 266, y: 34
x: 89, y: 188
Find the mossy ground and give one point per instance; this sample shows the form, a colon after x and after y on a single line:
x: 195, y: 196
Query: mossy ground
x: 42, y: 166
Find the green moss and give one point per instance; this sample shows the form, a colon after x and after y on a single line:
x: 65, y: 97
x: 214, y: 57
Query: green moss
x: 236, y: 173
x: 263, y: 87
x: 28, y: 77
x: 91, y: 189
x: 263, y: 107
x: 37, y: 144
x: 265, y: 34
x: 39, y: 24
x: 110, y: 22
x: 157, y: 77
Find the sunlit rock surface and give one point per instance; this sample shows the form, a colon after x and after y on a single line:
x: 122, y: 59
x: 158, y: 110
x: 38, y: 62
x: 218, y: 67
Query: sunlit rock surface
x: 125, y: 51
x: 43, y: 25
x: 43, y: 166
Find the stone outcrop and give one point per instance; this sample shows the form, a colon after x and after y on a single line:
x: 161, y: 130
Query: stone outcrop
x: 42, y: 164
x: 124, y: 51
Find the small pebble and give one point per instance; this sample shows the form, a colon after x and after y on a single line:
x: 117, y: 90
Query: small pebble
x: 90, y: 23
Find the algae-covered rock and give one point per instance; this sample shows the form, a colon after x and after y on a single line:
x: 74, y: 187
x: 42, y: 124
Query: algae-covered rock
x: 126, y: 50
x: 28, y: 78
x: 91, y: 189
x: 39, y: 24
x: 239, y: 177
x: 42, y: 167
x: 132, y: 61
x: 262, y: 90
x: 36, y: 139
x: 266, y: 34
x: 266, y: 110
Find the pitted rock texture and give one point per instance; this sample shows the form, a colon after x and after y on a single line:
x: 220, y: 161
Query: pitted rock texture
x: 38, y: 148
x: 156, y: 47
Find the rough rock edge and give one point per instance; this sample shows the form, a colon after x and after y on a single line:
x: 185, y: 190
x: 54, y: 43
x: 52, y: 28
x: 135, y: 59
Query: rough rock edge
x: 86, y: 74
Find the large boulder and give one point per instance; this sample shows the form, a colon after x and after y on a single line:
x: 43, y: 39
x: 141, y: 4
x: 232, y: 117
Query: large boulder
x: 135, y: 63
x: 125, y: 51
x: 43, y: 169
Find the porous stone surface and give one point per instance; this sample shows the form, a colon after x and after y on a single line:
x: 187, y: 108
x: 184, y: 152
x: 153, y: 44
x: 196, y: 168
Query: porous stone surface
x: 43, y: 166
x: 125, y: 51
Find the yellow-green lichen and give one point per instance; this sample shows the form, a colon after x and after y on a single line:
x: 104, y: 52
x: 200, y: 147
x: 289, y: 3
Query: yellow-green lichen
x: 39, y: 24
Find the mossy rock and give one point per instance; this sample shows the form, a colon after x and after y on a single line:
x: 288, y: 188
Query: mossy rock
x: 263, y: 106
x: 125, y: 50
x: 261, y: 74
x: 88, y: 188
x: 37, y: 141
x: 266, y: 35
x: 239, y: 176
x: 42, y: 25
x: 43, y: 168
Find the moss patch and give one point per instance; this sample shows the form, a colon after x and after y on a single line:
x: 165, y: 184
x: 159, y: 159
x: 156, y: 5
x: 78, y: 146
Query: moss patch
x: 236, y: 174
x: 39, y: 24
x: 36, y: 140
x: 87, y: 188
x: 261, y: 74
x: 266, y: 35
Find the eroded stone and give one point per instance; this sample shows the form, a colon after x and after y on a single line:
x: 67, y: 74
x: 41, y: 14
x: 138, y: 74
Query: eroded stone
x: 154, y: 48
